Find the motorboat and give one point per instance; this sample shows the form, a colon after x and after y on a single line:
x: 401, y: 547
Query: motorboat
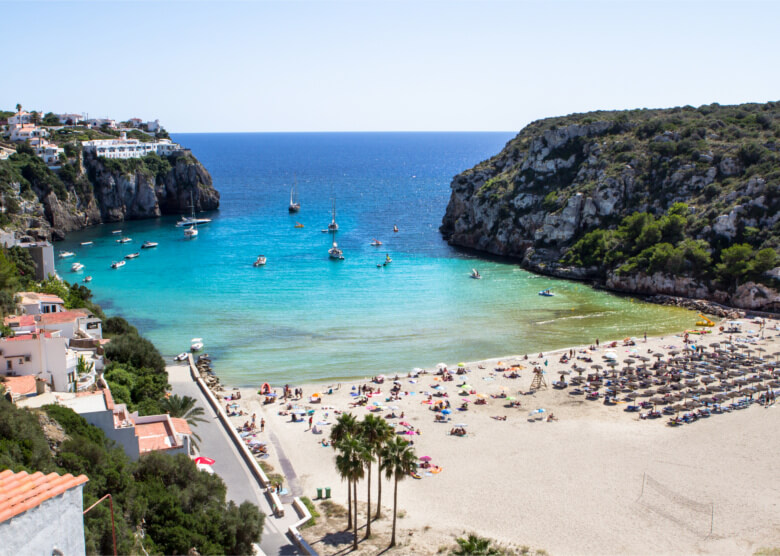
x: 336, y: 253
x: 117, y: 264
x: 116, y: 231
x: 259, y: 261
x: 88, y: 279
x: 132, y: 255
x: 181, y: 357
x: 333, y: 227
x: 196, y: 344
x: 376, y: 243
x: 298, y: 225
x: 85, y: 243
x: 75, y: 267
x: 546, y: 293
x: 395, y: 228
x: 388, y: 260
x: 148, y: 245
x: 295, y: 206
x: 66, y: 254
x: 475, y: 274
x: 124, y: 240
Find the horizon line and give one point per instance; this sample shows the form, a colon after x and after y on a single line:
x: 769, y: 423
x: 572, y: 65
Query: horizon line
x: 362, y: 131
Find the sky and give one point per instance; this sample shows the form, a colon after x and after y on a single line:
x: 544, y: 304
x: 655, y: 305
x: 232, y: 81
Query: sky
x: 379, y: 65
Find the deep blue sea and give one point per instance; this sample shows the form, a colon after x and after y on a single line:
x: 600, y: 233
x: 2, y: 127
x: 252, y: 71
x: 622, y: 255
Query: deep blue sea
x: 304, y: 317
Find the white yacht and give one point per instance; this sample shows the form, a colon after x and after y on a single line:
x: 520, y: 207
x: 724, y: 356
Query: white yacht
x: 75, y: 267
x: 117, y: 264
x: 196, y: 344
x: 336, y: 253
x: 260, y: 261
x: 66, y: 254
x: 333, y: 227
x: 132, y: 255
x: 148, y: 245
x: 124, y: 240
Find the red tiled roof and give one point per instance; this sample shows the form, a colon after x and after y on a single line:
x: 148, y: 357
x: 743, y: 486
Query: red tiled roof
x: 25, y: 337
x: 181, y: 425
x: 61, y: 317
x: 155, y: 436
x: 21, y: 385
x: 20, y: 320
x: 21, y: 491
x: 109, y: 399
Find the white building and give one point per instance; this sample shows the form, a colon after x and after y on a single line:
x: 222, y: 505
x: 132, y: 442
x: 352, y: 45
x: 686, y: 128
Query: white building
x: 154, y: 126
x: 41, y: 514
x: 73, y: 118
x: 25, y: 132
x: 129, y: 148
x: 49, y: 152
x: 43, y: 355
x: 35, y: 303
x: 97, y: 123
x: 74, y: 324
x: 137, y: 435
x: 21, y: 117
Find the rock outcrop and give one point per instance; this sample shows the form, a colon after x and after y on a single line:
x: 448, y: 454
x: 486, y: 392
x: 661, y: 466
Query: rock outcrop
x: 561, y: 178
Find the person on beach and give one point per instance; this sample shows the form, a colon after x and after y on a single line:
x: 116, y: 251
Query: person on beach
x: 311, y: 418
x: 262, y: 424
x: 597, y: 343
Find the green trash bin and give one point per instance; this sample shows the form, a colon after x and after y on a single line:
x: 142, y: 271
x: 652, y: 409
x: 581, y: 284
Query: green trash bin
x: 327, y: 492
x: 319, y: 493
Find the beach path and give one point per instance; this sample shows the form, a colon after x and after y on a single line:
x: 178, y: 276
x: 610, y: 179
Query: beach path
x: 241, y: 486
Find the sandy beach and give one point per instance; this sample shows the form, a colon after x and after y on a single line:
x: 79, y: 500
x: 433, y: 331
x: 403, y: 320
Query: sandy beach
x: 595, y: 480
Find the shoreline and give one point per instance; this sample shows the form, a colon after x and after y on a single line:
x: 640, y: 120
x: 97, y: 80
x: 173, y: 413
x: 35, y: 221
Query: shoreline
x: 594, y: 451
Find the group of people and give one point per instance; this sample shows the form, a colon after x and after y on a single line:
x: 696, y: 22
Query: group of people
x: 458, y: 431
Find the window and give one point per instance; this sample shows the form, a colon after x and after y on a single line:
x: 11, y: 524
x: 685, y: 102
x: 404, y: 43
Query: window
x: 9, y: 364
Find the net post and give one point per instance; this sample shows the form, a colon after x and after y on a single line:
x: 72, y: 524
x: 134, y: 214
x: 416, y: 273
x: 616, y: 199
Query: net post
x: 644, y: 475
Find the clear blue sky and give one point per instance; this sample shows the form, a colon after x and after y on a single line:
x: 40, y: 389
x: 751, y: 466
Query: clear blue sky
x: 376, y: 65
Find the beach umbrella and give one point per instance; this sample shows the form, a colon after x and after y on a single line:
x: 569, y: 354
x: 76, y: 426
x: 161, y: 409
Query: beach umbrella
x: 446, y: 411
x: 203, y: 460
x: 461, y: 364
x: 465, y: 386
x: 426, y: 458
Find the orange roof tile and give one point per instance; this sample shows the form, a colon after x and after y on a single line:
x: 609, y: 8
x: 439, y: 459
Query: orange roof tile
x: 62, y: 316
x: 155, y: 436
x: 181, y: 425
x: 20, y: 320
x: 21, y: 491
x: 21, y: 385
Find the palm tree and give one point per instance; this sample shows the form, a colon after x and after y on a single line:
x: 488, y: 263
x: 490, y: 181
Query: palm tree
x: 18, y: 108
x: 351, y: 462
x: 386, y: 433
x: 373, y: 435
x: 398, y: 461
x: 184, y: 407
x: 345, y: 425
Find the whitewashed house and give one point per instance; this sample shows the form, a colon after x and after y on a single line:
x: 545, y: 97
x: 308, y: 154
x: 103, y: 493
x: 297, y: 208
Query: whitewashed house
x: 97, y: 123
x: 41, y: 514
x: 35, y: 303
x: 25, y: 132
x: 44, y: 355
x: 21, y: 117
x: 129, y: 148
x: 72, y: 118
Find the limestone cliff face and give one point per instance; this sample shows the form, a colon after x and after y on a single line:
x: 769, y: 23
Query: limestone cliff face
x: 112, y: 191
x: 563, y: 177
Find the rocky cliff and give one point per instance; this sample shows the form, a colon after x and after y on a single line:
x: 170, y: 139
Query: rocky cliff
x: 89, y: 190
x: 560, y: 197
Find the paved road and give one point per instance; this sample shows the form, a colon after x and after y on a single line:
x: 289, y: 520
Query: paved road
x: 241, y: 485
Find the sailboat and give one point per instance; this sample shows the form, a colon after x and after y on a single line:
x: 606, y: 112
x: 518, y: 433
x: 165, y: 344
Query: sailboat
x: 192, y: 230
x: 295, y: 206
x: 336, y: 253
x: 333, y: 227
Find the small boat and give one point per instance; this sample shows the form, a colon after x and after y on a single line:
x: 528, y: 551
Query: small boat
x: 124, y: 240
x: 192, y: 231
x: 196, y: 344
x: 295, y: 206
x: 132, y: 255
x: 395, y: 228
x: 336, y: 253
x: 324, y: 231
x: 116, y: 232
x: 75, y: 267
x: 475, y: 274
x: 117, y: 264
x: 376, y: 243
x: 189, y: 220
x: 181, y: 357
x: 149, y: 245
x: 333, y: 227
x: 298, y: 225
x: 66, y: 254
x: 88, y: 279
x: 546, y: 293
x: 260, y: 261
x: 388, y: 259
x: 86, y: 243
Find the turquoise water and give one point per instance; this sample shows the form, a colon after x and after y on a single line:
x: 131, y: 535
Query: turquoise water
x: 304, y: 317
